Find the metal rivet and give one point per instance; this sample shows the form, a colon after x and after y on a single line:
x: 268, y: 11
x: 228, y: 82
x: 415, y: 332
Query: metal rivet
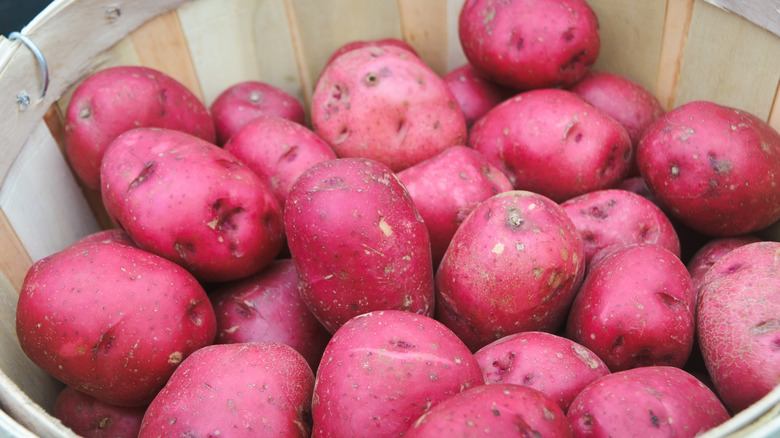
x: 113, y: 12
x: 22, y: 100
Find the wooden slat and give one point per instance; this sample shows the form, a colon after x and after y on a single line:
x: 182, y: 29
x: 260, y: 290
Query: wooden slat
x: 765, y: 13
x: 675, y: 37
x: 425, y: 27
x: 455, y: 55
x: 774, y: 115
x: 730, y: 61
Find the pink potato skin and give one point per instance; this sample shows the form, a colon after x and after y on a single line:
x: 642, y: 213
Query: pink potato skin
x: 626, y: 101
x: 111, y: 320
x: 514, y: 265
x: 88, y: 417
x: 241, y: 103
x: 635, y: 308
x: 267, y: 307
x: 475, y: 94
x: 382, y: 370
x: 738, y: 323
x: 553, y: 143
x: 618, y: 217
x: 353, y: 45
x: 358, y: 242
x: 385, y: 104
x: 115, y: 235
x: 553, y: 365
x: 447, y: 187
x: 117, y: 99
x: 278, y: 150
x: 191, y: 202
x: 648, y: 402
x: 711, y: 252
x: 493, y: 410
x: 529, y: 44
x: 239, y: 390
x: 714, y: 168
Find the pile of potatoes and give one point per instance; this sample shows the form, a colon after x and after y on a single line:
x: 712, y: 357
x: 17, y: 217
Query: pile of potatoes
x: 524, y: 247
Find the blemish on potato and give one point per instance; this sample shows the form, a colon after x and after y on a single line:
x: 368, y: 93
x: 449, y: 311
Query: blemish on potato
x: 387, y: 230
x: 175, y: 358
x: 498, y: 248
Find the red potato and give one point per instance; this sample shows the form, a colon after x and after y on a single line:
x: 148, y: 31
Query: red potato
x: 447, y: 187
x: 115, y: 235
x: 635, y: 308
x: 514, y: 265
x: 553, y: 365
x: 111, y: 320
x: 88, y: 417
x: 553, y: 143
x: 358, y: 242
x: 493, y: 410
x: 646, y: 402
x: 239, y: 390
x: 267, y: 307
x: 714, y: 168
x: 353, y: 45
x: 738, y: 323
x: 382, y: 370
x: 530, y: 44
x: 241, y: 103
x: 278, y: 150
x: 191, y: 202
x: 475, y: 94
x: 611, y: 217
x: 711, y: 252
x: 117, y: 99
x: 385, y: 104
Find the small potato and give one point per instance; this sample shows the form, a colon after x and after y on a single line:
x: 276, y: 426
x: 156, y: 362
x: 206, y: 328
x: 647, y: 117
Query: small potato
x: 635, y: 308
x: 241, y: 103
x: 447, y: 187
x: 475, y: 93
x: 252, y: 389
x: 554, y: 143
x: 117, y: 99
x: 514, y: 265
x: 90, y: 418
x: 382, y: 370
x: 654, y: 401
x: 553, y: 365
x: 711, y: 252
x: 501, y: 409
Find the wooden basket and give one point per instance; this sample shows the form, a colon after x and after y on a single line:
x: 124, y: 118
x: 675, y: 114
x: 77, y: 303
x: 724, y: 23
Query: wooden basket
x: 683, y: 50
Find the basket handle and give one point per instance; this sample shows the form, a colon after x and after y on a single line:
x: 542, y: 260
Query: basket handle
x: 23, y: 99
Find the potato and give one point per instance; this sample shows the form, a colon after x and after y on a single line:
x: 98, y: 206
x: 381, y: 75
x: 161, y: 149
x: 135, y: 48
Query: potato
x: 267, y: 307
x: 117, y: 99
x: 493, y: 410
x: 553, y: 365
x: 252, y: 389
x: 475, y: 93
x: 714, y: 168
x: 88, y: 417
x: 711, y: 252
x: 191, y: 202
x: 513, y: 265
x: 278, y: 151
x: 111, y: 320
x: 447, y: 187
x: 382, y: 370
x: 385, y: 104
x: 738, y: 323
x: 553, y: 143
x: 635, y: 308
x: 646, y: 402
x: 618, y: 217
x: 242, y: 102
x: 527, y: 44
x: 357, y: 241
x: 357, y: 44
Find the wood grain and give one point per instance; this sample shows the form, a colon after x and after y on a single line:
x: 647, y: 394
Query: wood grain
x: 765, y: 13
x: 424, y: 26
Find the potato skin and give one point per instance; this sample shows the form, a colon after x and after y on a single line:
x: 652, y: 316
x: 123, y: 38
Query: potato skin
x: 713, y: 167
x: 385, y: 104
x: 358, y: 242
x: 111, y: 320
x: 447, y: 187
x: 530, y: 44
x: 243, y: 390
x: 656, y: 401
x: 635, y: 308
x: 88, y: 417
x: 554, y: 143
x: 553, y: 365
x: 191, y: 202
x: 357, y: 44
x: 513, y: 265
x: 382, y: 370
x: 502, y: 409
x: 475, y: 93
x: 117, y: 99
x: 738, y: 323
x: 712, y: 251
